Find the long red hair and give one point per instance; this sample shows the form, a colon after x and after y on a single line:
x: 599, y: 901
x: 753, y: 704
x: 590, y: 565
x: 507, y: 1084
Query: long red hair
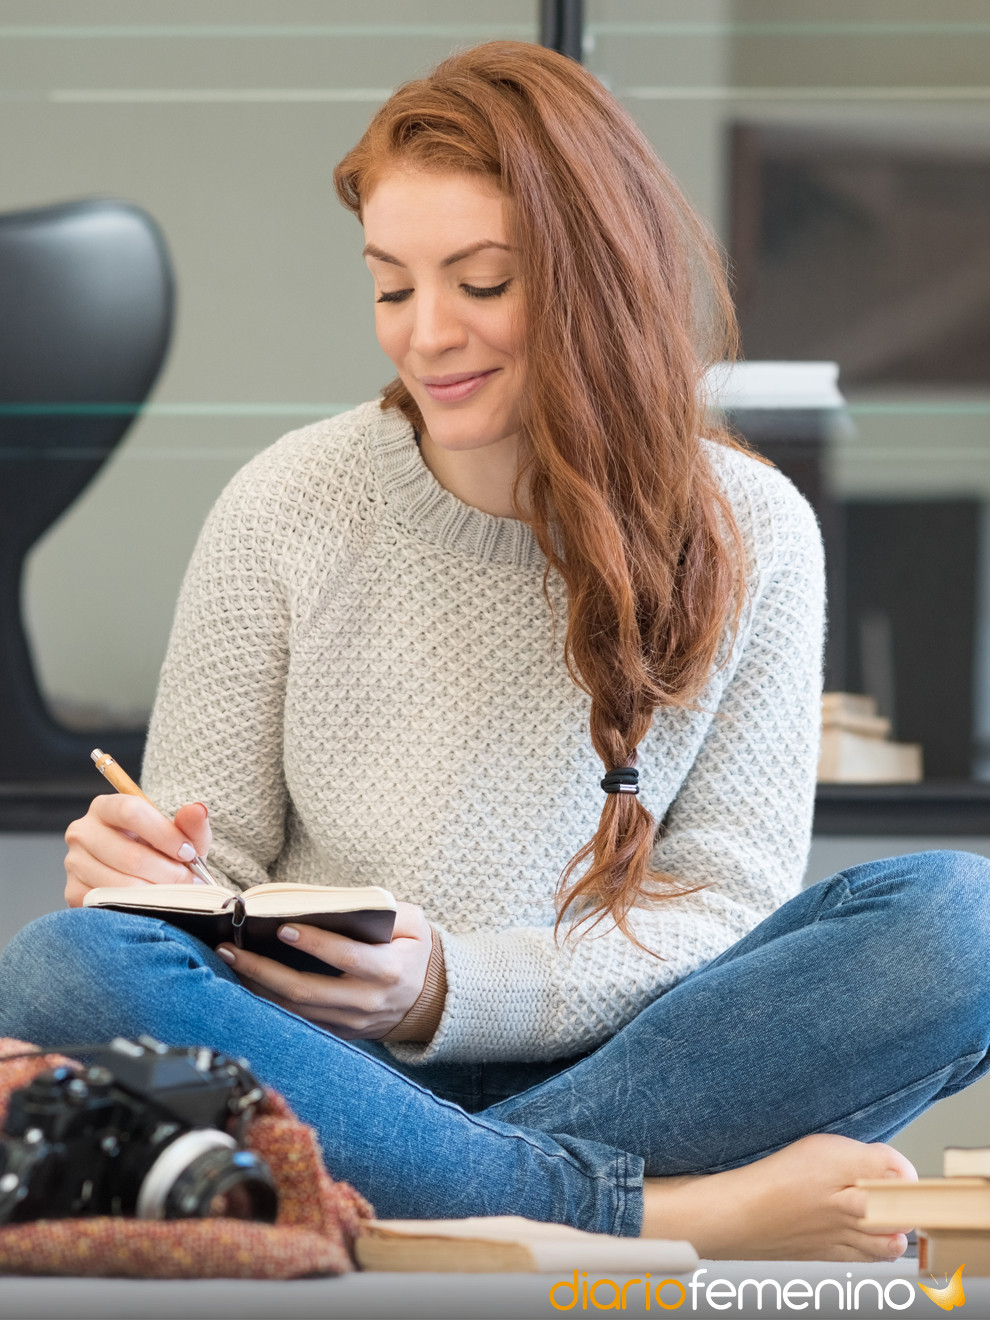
x: 626, y: 306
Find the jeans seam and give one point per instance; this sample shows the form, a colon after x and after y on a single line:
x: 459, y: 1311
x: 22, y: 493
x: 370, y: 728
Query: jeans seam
x: 626, y: 1182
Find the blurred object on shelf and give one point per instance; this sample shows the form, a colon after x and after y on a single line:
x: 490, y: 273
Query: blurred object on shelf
x: 775, y: 387
x: 858, y: 714
x: 856, y: 748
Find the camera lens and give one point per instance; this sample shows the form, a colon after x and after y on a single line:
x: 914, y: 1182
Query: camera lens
x: 204, y: 1174
x: 225, y: 1185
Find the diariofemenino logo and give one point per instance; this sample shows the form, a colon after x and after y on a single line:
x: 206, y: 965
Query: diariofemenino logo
x: 760, y: 1295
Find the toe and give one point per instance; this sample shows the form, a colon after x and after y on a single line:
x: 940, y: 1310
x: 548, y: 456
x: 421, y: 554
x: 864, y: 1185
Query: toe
x: 892, y: 1163
x: 875, y: 1246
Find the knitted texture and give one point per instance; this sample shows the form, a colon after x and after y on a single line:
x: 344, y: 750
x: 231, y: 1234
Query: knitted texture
x: 318, y: 1219
x: 363, y: 684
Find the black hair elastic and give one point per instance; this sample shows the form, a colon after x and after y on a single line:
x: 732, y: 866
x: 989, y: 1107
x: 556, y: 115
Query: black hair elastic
x: 623, y: 780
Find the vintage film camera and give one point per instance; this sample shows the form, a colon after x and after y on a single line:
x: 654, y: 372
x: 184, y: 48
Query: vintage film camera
x: 145, y: 1130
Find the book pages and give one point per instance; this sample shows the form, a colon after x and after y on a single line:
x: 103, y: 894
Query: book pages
x: 458, y: 1244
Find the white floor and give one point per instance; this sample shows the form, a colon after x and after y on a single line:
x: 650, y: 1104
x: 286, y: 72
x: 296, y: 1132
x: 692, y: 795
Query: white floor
x: 486, y: 1296
x: 31, y: 881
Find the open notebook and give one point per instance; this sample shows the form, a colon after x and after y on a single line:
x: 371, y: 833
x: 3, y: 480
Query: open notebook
x: 250, y: 920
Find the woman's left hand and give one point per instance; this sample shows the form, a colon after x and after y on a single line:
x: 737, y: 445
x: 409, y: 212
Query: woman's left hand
x: 379, y: 985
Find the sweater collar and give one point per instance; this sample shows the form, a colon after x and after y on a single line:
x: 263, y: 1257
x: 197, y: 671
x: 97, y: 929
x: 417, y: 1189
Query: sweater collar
x: 432, y: 514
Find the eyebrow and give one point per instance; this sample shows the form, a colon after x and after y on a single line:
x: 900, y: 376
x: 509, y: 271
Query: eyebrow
x: 376, y: 252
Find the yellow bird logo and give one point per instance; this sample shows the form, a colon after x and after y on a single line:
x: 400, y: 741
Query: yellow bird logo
x: 949, y: 1296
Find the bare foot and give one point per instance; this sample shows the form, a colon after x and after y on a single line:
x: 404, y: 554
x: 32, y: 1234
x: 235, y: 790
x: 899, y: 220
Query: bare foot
x: 800, y: 1203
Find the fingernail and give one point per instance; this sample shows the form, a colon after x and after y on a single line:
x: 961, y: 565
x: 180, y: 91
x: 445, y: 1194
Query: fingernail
x: 187, y: 852
x: 203, y: 805
x: 227, y: 955
x: 289, y: 934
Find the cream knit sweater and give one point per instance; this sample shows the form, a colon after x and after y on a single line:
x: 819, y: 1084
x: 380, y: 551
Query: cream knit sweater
x: 361, y: 684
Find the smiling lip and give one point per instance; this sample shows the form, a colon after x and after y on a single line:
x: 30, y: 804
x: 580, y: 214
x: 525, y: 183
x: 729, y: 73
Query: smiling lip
x: 451, y: 389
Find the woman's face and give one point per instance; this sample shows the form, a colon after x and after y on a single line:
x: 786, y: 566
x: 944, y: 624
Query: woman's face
x: 448, y: 302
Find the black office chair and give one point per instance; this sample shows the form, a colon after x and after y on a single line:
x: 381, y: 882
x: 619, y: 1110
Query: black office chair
x: 86, y: 300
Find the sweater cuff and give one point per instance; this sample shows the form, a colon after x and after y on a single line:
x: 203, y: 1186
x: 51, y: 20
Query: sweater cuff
x: 422, y: 1020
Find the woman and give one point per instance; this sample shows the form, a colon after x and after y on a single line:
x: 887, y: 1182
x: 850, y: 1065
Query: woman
x: 409, y: 640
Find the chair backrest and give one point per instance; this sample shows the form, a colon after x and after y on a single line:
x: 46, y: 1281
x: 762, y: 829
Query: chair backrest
x: 86, y: 304
x: 86, y: 299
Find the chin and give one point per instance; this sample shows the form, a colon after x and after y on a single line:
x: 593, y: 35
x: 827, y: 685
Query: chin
x: 464, y: 431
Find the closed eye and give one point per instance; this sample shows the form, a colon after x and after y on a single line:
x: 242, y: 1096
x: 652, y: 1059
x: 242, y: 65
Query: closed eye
x: 495, y: 291
x: 472, y: 290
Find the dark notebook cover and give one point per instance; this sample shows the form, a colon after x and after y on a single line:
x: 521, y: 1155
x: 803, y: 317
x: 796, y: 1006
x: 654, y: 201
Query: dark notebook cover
x: 258, y: 934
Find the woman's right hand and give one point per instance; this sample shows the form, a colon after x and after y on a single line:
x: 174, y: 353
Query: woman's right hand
x: 123, y: 840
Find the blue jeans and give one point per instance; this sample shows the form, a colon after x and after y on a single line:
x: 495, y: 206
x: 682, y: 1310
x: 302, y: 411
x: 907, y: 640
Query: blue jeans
x: 850, y: 1009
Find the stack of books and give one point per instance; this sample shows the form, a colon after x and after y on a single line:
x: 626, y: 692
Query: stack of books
x: 856, y: 746
x: 951, y: 1214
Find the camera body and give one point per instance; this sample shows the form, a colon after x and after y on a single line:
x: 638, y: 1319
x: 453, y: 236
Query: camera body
x: 145, y: 1130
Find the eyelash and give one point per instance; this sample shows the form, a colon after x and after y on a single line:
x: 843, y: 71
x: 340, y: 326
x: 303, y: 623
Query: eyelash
x: 496, y: 291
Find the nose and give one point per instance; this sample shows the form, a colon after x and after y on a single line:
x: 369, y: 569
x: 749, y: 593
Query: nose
x: 437, y: 325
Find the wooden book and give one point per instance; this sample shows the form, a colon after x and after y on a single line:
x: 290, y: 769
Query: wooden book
x: 250, y: 920
x: 842, y: 710
x: 869, y: 726
x: 966, y: 1162
x: 510, y: 1244
x: 943, y: 1250
x: 855, y: 758
x: 839, y: 706
x: 929, y: 1203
